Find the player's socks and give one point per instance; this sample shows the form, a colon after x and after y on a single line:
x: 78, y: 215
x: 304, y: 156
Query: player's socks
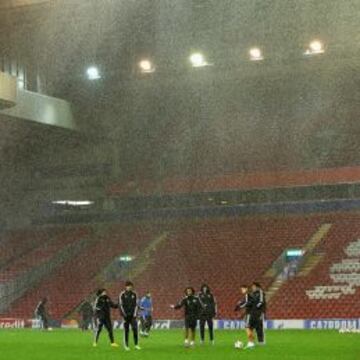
x: 114, y: 345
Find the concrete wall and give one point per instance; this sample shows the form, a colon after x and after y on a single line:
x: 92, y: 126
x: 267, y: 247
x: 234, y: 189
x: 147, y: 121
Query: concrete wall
x: 42, y: 109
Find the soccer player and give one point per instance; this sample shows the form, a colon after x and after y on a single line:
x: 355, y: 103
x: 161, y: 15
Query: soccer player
x: 259, y: 310
x: 128, y: 304
x: 102, y: 307
x: 247, y: 303
x: 146, y: 310
x: 207, y: 313
x: 41, y: 313
x: 192, y: 308
x: 87, y: 313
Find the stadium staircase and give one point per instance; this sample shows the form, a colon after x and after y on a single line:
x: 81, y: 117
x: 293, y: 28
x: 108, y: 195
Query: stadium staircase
x: 312, y: 258
x: 148, y: 242
x: 317, y: 237
x: 137, y: 266
x: 274, y: 287
x: 145, y: 260
x: 141, y: 262
x: 306, y: 265
x: 310, y: 263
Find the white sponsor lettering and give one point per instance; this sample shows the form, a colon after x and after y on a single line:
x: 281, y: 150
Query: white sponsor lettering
x: 12, y: 323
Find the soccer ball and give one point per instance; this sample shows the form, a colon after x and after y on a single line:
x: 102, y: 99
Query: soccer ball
x: 238, y: 344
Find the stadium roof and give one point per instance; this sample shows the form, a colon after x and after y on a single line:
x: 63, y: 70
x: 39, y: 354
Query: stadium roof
x: 295, y: 107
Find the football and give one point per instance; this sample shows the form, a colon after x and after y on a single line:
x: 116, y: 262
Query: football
x: 238, y: 344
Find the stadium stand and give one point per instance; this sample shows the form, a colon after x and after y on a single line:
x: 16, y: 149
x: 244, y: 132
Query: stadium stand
x: 224, y: 253
x: 79, y: 276
x: 47, y: 248
x: 330, y: 290
x: 221, y: 251
x: 252, y: 180
x: 17, y: 243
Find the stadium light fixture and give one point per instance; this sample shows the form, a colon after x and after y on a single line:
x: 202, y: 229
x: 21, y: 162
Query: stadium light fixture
x: 20, y: 80
x: 93, y: 73
x: 126, y: 258
x: 21, y: 84
x: 73, y: 202
x: 198, y: 60
x: 316, y: 47
x: 295, y: 252
x: 146, y: 66
x: 256, y: 54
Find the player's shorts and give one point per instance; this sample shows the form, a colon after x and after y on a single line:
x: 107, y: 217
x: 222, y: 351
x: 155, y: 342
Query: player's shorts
x: 207, y: 316
x: 252, y: 321
x: 190, y: 323
x: 130, y: 319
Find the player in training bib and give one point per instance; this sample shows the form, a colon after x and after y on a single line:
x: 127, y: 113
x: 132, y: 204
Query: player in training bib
x: 146, y: 310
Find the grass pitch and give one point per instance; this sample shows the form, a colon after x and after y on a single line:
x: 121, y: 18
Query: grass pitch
x: 167, y: 345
